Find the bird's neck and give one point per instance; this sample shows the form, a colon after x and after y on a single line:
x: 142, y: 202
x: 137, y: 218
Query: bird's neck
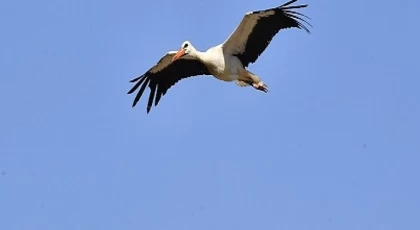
x: 198, y: 54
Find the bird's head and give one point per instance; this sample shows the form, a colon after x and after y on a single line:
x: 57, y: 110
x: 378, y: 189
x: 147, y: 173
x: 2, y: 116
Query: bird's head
x: 186, y: 48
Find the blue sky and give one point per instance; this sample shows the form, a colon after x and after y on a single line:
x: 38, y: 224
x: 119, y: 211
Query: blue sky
x: 333, y: 145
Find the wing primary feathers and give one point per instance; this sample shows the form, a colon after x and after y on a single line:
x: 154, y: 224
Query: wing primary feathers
x: 143, y: 87
x: 294, y: 7
x: 151, y: 96
x: 297, y: 18
x: 136, y: 85
x: 289, y: 2
x: 135, y: 79
x: 285, y: 5
x: 298, y: 13
x: 158, y: 94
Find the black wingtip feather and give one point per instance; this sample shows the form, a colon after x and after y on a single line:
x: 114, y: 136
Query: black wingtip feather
x: 300, y: 14
x: 135, y: 79
x: 285, y: 5
x: 134, y: 88
x: 294, y: 7
x: 143, y: 87
x: 152, y: 94
x: 289, y: 2
x: 300, y: 24
x: 158, y: 94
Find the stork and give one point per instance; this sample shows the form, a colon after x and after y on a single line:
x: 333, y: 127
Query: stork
x: 227, y: 61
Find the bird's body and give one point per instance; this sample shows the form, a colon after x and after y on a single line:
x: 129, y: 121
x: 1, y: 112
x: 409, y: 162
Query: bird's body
x: 223, y: 67
x: 227, y: 61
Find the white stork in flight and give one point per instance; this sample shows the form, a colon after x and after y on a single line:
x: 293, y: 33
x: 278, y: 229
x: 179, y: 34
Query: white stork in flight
x: 226, y: 61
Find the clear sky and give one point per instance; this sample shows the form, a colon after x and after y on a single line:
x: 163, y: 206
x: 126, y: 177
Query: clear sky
x: 335, y: 144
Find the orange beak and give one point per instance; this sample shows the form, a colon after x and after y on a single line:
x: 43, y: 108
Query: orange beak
x: 180, y: 53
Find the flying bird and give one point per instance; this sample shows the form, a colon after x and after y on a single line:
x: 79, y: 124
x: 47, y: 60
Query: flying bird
x: 227, y: 61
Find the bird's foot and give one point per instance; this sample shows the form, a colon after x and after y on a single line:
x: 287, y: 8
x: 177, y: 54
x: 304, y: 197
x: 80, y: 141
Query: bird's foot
x: 260, y: 86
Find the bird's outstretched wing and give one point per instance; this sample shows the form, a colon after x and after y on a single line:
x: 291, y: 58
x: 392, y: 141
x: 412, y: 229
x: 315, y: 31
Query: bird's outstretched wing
x: 257, y: 28
x: 164, y: 75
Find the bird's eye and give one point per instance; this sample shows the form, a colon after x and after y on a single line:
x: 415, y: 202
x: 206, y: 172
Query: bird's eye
x: 186, y: 45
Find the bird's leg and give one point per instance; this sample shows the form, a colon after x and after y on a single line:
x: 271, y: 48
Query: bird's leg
x: 260, y: 86
x: 247, y: 78
x: 251, y: 79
